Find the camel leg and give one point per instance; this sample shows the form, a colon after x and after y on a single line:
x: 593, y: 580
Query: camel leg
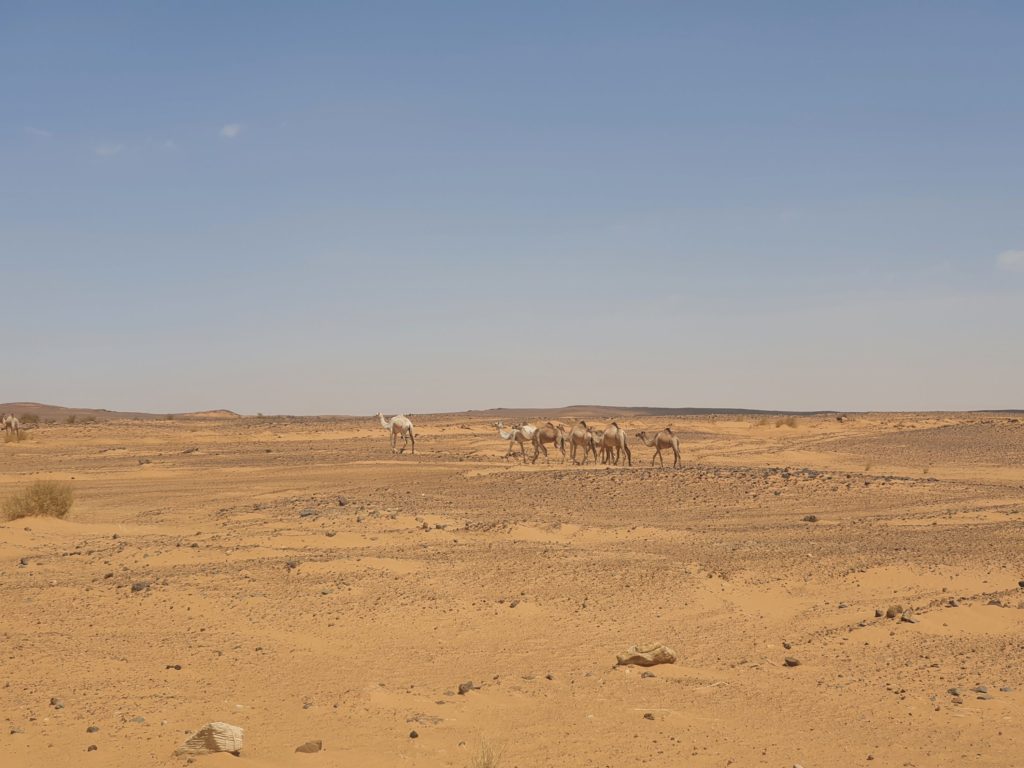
x: 629, y: 454
x: 413, y: 438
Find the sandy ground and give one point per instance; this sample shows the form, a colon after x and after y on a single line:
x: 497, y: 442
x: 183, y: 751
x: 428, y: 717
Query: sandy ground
x: 356, y: 624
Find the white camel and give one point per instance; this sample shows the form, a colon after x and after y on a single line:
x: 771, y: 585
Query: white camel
x: 12, y: 426
x: 398, y: 425
x: 521, y: 433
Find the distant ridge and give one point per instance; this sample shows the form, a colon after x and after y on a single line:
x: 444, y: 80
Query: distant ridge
x: 61, y: 413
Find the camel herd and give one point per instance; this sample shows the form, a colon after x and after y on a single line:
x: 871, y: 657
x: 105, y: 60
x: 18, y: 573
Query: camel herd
x: 609, y: 446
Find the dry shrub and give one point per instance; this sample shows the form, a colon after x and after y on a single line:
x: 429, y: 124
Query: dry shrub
x: 43, y: 498
x: 29, y: 418
x: 486, y: 757
x: 787, y: 421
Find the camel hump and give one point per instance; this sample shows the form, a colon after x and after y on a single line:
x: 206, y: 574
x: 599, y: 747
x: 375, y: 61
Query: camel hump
x: 669, y: 429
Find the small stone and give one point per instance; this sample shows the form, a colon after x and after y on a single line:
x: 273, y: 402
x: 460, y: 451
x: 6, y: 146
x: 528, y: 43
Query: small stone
x: 908, y: 617
x: 140, y: 586
x: 342, y: 501
x: 648, y: 716
x: 173, y: 666
x: 1006, y: 689
x: 893, y: 611
x: 549, y: 676
x: 310, y: 746
x: 786, y: 645
x: 92, y: 748
x: 466, y: 687
x: 980, y: 689
x: 307, y: 513
x: 791, y: 662
x: 879, y: 613
x: 986, y: 696
x: 810, y: 518
x: 92, y: 729
x: 16, y: 730
x: 1021, y: 583
x: 953, y: 691
x: 56, y: 703
x: 23, y: 562
x: 647, y: 674
x: 513, y: 604
x: 138, y: 719
x: 291, y: 565
x: 213, y: 737
x: 844, y: 605
x: 413, y: 735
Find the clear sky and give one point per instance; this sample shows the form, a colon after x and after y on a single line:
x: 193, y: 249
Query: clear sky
x: 330, y: 207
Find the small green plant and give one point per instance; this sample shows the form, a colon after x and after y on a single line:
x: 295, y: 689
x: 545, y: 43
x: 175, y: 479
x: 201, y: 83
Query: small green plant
x: 43, y: 498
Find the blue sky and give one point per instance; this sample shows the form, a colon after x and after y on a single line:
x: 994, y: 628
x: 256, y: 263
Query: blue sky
x: 349, y: 207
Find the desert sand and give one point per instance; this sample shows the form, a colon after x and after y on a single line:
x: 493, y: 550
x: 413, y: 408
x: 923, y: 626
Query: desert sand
x: 263, y: 601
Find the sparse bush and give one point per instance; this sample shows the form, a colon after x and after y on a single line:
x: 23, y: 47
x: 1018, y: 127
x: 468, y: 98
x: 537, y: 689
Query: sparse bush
x: 764, y: 421
x: 71, y: 419
x: 169, y: 417
x: 43, y: 498
x: 88, y: 419
x: 786, y: 421
x: 29, y: 418
x: 486, y: 757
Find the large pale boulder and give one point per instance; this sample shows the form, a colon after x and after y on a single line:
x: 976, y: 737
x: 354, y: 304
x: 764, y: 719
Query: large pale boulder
x: 648, y: 655
x: 213, y: 737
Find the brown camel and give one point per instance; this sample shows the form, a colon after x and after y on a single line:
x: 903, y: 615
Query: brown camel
x: 549, y: 433
x: 664, y: 439
x: 581, y: 436
x: 614, y: 441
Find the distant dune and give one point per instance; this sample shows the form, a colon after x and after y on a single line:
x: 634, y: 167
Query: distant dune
x: 61, y: 413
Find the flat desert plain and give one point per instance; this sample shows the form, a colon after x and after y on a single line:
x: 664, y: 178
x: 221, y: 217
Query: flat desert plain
x: 263, y: 601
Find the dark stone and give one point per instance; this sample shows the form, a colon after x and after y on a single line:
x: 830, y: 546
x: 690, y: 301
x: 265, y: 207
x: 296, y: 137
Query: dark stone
x: 92, y: 729
x: 140, y: 586
x: 893, y: 611
x: 791, y: 662
x: 342, y: 501
x: 413, y: 735
x: 307, y: 513
x: 466, y: 687
x: 953, y: 691
x: 810, y: 518
x: 56, y: 703
x: 91, y: 748
x: 648, y: 716
x: 980, y: 689
x: 310, y: 746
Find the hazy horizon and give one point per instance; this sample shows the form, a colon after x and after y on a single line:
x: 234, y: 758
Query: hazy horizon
x: 322, y: 209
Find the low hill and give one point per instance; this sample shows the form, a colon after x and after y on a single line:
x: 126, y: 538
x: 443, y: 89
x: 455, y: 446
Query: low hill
x: 60, y: 413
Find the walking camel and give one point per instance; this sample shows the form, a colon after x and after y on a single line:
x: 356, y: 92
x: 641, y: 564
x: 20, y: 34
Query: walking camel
x: 521, y: 434
x: 614, y: 441
x: 12, y: 426
x: 664, y: 439
x: 581, y: 436
x: 399, y: 425
x: 549, y: 433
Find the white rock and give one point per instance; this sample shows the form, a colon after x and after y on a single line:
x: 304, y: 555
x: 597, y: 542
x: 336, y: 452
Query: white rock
x: 213, y: 737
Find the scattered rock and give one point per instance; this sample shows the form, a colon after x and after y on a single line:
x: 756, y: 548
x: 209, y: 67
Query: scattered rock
x: 213, y: 737
x: 342, y: 501
x: 140, y: 586
x: 91, y: 748
x: 791, y: 662
x: 893, y: 611
x: 56, y: 703
x: 1021, y: 583
x: 1006, y: 689
x: 466, y: 687
x: 307, y: 513
x: 647, y: 656
x: 810, y: 518
x: 953, y: 691
x: 986, y: 696
x: 647, y: 674
x: 980, y: 689
x: 908, y: 616
x: 173, y: 666
x: 144, y: 461
x: 291, y: 565
x: 92, y: 729
x: 16, y: 730
x: 23, y: 562
x: 138, y: 719
x: 310, y: 746
x: 413, y: 735
x: 879, y: 613
x: 648, y: 715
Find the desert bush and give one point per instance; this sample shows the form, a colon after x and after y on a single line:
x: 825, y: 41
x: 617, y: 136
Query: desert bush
x: 29, y: 418
x: 43, y: 498
x: 786, y: 421
x: 71, y: 419
x: 486, y: 757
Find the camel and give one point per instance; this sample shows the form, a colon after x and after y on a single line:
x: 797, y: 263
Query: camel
x: 516, y: 434
x: 12, y: 426
x: 581, y: 436
x: 614, y: 441
x: 664, y: 439
x: 399, y: 425
x: 549, y: 433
